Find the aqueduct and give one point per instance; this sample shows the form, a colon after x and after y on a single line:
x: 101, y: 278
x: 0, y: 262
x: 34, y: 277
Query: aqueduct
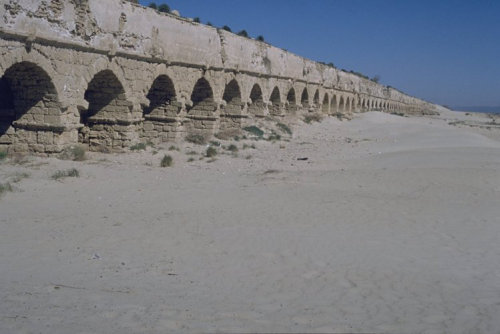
x: 112, y: 73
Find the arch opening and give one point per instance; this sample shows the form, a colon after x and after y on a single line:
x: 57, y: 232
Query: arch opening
x: 232, y: 96
x: 203, y: 99
x: 203, y: 120
x: 28, y: 104
x: 275, y: 100
x: 292, y: 101
x: 160, y: 123
x: 341, y: 104
x: 106, y: 98
x: 316, y: 97
x: 162, y: 98
x: 334, y: 105
x: 325, y: 108
x: 108, y: 106
x: 257, y: 106
x: 304, y: 99
x: 233, y: 109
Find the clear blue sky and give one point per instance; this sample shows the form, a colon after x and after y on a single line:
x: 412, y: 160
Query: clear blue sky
x: 446, y: 52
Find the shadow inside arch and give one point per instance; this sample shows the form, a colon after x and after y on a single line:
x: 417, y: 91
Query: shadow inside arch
x: 28, y: 94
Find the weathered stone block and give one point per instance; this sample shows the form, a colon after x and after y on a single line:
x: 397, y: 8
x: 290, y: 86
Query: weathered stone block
x: 45, y: 137
x: 148, y: 126
x: 51, y: 119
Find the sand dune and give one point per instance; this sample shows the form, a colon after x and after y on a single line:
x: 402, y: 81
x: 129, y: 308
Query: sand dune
x: 391, y: 225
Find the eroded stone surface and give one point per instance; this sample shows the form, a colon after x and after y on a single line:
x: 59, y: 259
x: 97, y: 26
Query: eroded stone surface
x: 111, y: 73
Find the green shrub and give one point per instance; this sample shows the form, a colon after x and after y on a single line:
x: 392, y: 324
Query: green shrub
x: 166, y: 161
x: 260, y: 38
x: 196, y: 139
x: 17, y: 177
x: 4, y: 187
x: 398, y: 113
x: 164, y: 8
x: 232, y: 148
x: 190, y: 159
x: 3, y: 155
x: 254, y: 130
x: 153, y: 5
x: 173, y: 148
x: 138, y: 147
x: 312, y: 118
x: 73, y: 172
x: 243, y: 33
x: 215, y: 143
x: 274, y: 137
x: 226, y: 28
x: 283, y: 127
x: 211, y: 152
x: 196, y: 19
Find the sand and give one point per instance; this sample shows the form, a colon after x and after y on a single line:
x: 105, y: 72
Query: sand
x: 391, y: 225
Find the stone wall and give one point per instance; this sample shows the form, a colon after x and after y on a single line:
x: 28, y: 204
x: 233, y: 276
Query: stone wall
x: 112, y: 73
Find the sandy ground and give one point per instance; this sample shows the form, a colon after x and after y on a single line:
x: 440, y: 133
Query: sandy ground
x: 392, y: 225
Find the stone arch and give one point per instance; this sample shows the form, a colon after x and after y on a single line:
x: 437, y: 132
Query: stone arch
x: 232, y: 110
x: 102, y: 65
x: 20, y: 55
x: 102, y: 94
x: 275, y: 100
x: 292, y: 100
x: 202, y: 112
x: 232, y: 92
x: 341, y: 104
x: 202, y: 97
x: 304, y: 99
x: 162, y: 98
x: 29, y: 104
x: 257, y: 106
x: 316, y: 99
x: 160, y: 117
x: 107, y: 121
x: 334, y: 104
x: 325, y: 107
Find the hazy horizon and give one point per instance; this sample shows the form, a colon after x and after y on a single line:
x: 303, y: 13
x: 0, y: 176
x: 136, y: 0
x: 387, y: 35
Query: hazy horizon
x: 483, y: 109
